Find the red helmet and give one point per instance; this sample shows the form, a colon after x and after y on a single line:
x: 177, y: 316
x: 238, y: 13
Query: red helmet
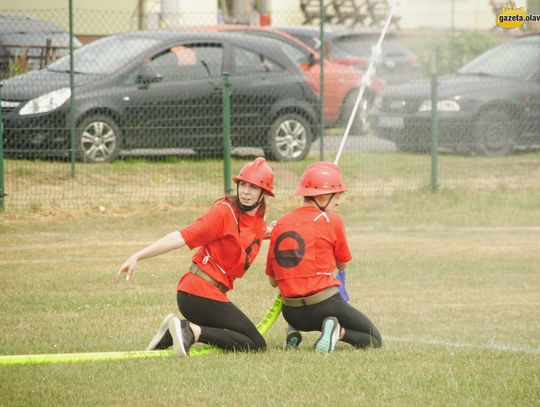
x: 319, y: 179
x: 258, y: 173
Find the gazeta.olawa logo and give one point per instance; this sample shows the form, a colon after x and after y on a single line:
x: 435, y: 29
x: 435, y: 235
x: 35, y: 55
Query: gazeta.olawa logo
x: 513, y: 17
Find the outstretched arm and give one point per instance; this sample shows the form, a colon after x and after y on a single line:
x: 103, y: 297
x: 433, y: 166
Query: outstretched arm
x: 173, y: 240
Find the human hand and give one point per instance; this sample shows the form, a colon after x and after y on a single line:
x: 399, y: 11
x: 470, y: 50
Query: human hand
x: 128, y: 268
x: 269, y: 229
x: 342, y: 290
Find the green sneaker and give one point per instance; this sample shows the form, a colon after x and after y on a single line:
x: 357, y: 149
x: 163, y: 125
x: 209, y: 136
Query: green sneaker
x: 329, y: 336
x: 293, y: 338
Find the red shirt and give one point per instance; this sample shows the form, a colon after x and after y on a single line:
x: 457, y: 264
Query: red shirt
x: 304, y: 247
x: 226, y: 248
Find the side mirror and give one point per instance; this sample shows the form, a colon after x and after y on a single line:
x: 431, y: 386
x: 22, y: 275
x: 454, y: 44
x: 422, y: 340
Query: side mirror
x: 146, y: 75
x: 308, y: 61
x: 313, y: 59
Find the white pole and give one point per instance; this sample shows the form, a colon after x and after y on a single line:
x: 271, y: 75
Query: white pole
x: 375, y: 57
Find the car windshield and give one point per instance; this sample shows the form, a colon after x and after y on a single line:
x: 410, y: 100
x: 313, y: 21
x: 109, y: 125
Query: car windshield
x: 511, y: 60
x: 360, y: 45
x: 104, y: 56
x: 37, y: 39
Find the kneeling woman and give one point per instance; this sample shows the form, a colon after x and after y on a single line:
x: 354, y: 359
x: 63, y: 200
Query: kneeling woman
x: 306, y: 246
x: 229, y: 236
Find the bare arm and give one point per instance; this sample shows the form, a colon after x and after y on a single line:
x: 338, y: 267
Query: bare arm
x: 173, y: 240
x: 340, y: 265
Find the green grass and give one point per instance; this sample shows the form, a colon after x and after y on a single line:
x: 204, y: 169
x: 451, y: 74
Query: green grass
x: 450, y: 279
x: 435, y: 376
x: 38, y: 185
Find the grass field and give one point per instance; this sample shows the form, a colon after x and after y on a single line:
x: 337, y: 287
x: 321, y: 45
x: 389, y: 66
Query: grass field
x: 173, y: 181
x: 452, y: 281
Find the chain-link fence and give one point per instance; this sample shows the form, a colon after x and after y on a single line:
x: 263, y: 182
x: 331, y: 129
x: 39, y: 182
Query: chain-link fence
x: 138, y: 116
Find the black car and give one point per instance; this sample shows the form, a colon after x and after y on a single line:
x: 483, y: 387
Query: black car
x: 490, y: 106
x: 353, y: 47
x: 27, y: 43
x: 162, y: 90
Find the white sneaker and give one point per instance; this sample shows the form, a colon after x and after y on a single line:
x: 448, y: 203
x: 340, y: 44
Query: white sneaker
x: 329, y: 335
x: 161, y: 339
x: 181, y: 335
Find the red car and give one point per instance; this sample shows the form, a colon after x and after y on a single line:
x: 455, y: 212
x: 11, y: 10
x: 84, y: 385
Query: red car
x: 341, y: 83
x: 353, y: 48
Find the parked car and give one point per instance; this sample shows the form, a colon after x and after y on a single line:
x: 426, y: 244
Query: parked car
x: 490, y: 106
x: 398, y: 64
x: 27, y: 43
x: 341, y: 83
x: 163, y: 90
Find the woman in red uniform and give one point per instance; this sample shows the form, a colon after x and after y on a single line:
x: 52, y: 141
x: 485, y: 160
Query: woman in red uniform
x: 306, y: 247
x: 229, y: 237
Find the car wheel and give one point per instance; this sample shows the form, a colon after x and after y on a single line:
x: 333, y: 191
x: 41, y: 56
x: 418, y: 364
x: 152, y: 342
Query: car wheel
x: 493, y: 133
x: 289, y: 138
x: 99, y: 139
x: 360, y: 125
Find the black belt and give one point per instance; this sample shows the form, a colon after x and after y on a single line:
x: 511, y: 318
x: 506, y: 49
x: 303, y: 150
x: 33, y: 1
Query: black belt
x: 311, y: 299
x: 198, y: 272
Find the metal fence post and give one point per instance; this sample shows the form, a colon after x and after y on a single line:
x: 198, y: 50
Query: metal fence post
x: 2, y: 192
x: 434, y: 124
x: 227, y: 132
x: 72, y: 89
x: 321, y: 79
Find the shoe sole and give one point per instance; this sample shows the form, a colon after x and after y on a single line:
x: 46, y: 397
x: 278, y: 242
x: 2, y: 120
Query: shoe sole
x: 293, y: 341
x: 162, y: 330
x: 329, y: 336
x: 175, y: 328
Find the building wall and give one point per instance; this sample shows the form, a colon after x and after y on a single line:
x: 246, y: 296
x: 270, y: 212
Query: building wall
x: 414, y: 14
x: 106, y: 16
x: 102, y: 17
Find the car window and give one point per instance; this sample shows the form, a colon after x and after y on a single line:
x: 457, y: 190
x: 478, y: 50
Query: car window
x: 512, y: 60
x: 297, y: 54
x: 105, y: 56
x: 185, y: 62
x: 33, y: 45
x: 360, y: 45
x: 246, y: 62
x: 313, y: 42
x: 37, y: 39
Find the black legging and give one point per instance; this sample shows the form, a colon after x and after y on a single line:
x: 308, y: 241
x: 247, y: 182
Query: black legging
x: 359, y: 330
x: 222, y: 323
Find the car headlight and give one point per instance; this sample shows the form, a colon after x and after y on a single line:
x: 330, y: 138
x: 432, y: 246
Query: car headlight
x: 46, y: 103
x: 442, y: 106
